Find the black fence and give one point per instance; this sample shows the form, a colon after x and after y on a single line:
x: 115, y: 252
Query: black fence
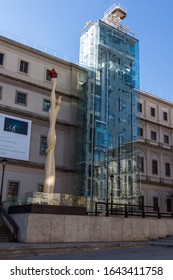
x: 114, y: 209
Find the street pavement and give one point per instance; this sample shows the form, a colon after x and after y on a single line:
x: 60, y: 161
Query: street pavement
x: 161, y: 249
x: 130, y: 253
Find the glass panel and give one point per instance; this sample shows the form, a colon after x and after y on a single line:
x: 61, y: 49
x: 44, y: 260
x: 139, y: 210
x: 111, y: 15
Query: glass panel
x: 46, y: 105
x: 108, y: 132
x: 43, y: 145
x: 46, y: 198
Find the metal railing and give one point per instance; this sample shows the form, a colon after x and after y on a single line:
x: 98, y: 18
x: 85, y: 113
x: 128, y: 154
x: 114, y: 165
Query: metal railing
x: 114, y: 209
x: 10, y: 223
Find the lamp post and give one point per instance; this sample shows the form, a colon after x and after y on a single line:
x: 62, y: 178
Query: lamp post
x: 107, y: 200
x: 112, y: 181
x: 4, y: 162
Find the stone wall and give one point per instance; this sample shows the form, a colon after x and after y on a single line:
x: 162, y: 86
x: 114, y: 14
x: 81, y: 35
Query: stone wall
x: 64, y: 228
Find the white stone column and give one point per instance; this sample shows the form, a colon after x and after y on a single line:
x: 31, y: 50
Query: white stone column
x: 49, y: 182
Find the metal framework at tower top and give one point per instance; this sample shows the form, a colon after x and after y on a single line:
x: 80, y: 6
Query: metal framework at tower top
x: 114, y: 15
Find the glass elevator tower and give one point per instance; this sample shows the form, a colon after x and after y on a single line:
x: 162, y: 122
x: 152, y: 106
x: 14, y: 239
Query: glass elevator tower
x: 108, y: 116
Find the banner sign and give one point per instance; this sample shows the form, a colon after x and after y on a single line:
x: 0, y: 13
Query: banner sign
x: 15, y: 134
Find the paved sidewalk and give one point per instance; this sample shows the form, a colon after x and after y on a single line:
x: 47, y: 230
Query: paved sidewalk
x: 163, y: 242
x: 168, y: 241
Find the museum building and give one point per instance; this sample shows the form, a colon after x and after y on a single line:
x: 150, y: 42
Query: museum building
x: 114, y: 141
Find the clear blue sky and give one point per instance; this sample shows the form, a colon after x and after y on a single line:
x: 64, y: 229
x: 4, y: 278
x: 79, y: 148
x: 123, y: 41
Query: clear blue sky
x: 57, y: 24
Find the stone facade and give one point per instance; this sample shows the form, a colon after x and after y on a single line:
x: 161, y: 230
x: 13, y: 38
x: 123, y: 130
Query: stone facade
x: 156, y: 151
x: 25, y: 93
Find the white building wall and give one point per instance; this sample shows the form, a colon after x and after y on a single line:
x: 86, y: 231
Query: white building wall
x: 156, y: 185
x: 37, y: 88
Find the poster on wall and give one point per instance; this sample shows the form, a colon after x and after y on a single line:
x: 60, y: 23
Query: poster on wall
x: 15, y: 135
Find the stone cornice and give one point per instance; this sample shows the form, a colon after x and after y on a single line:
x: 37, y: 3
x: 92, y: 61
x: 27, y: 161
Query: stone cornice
x: 37, y: 165
x: 159, y: 146
x: 23, y: 113
x: 155, y: 123
x: 43, y: 89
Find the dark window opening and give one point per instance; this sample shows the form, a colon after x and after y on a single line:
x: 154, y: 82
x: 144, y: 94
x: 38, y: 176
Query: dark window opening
x: 165, y: 116
x: 1, y: 58
x: 154, y: 167
x: 153, y: 112
x: 139, y: 107
x: 40, y: 188
x: 24, y: 66
x: 166, y: 139
x: 168, y: 205
x: 153, y: 135
x: 21, y: 98
x: 155, y: 203
x: 167, y: 169
x: 48, y: 77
